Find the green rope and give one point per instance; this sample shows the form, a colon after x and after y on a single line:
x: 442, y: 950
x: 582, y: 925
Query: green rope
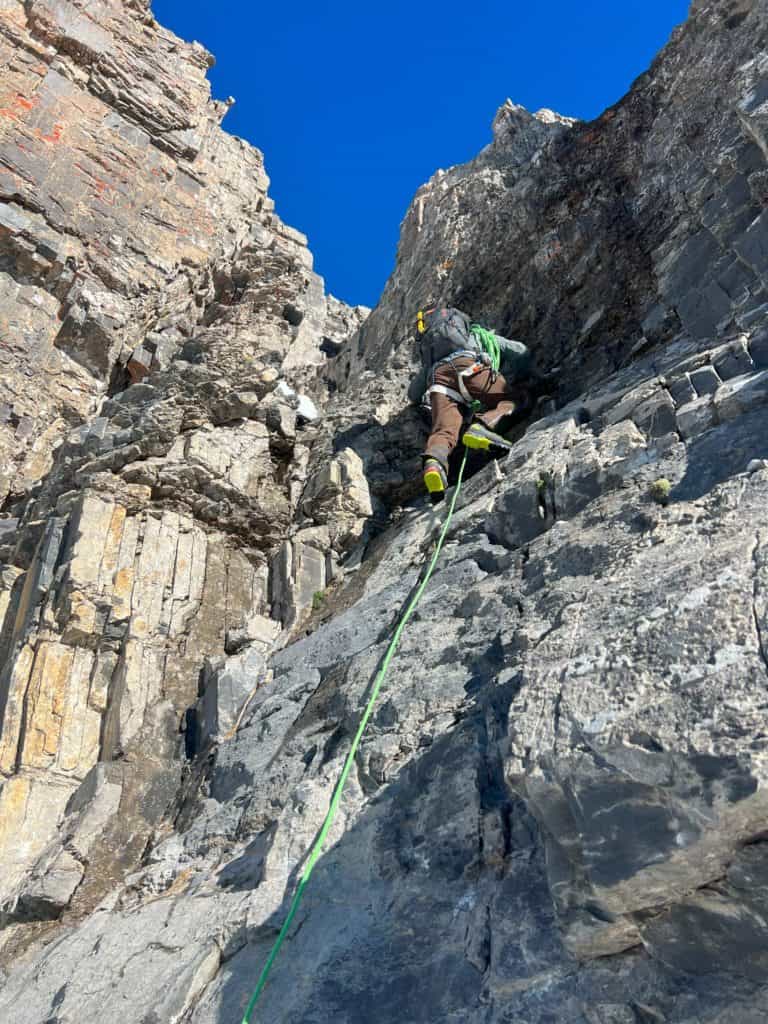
x: 318, y: 845
x: 489, y: 343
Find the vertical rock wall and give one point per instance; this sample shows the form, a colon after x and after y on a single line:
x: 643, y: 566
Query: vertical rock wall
x: 155, y: 313
x: 120, y: 195
x: 594, y: 241
x: 118, y: 189
x: 559, y: 809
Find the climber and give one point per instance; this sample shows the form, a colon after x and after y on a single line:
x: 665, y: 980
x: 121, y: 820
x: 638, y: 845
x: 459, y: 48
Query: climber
x: 467, y: 372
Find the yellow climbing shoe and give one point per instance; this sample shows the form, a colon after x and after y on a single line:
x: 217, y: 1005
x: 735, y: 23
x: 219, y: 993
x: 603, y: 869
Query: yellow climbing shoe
x: 434, y: 477
x: 478, y: 436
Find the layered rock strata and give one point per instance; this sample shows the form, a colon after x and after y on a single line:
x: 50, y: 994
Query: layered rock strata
x: 559, y: 809
x: 127, y: 213
x: 182, y: 310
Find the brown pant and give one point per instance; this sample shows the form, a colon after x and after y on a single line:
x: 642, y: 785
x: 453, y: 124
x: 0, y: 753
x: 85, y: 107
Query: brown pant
x: 448, y: 416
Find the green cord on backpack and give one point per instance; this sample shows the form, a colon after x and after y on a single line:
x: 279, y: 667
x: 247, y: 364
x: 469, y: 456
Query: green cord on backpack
x: 487, y: 341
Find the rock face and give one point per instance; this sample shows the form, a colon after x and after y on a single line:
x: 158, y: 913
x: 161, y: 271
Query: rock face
x: 129, y: 217
x: 596, y: 240
x: 559, y: 810
x: 154, y: 345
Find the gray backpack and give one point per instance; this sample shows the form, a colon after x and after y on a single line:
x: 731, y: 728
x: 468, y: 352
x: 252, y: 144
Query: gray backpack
x: 442, y: 333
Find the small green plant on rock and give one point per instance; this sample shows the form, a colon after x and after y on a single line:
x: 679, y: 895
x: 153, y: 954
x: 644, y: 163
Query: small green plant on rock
x: 660, y: 490
x: 318, y: 600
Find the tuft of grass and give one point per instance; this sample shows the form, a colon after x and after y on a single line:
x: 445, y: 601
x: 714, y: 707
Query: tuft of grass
x: 660, y: 490
x: 318, y: 600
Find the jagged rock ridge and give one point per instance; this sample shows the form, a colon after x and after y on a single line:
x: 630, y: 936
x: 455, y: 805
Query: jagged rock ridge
x: 559, y: 810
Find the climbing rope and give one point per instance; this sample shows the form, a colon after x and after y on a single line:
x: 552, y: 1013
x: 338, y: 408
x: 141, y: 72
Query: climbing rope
x: 318, y: 844
x: 489, y: 343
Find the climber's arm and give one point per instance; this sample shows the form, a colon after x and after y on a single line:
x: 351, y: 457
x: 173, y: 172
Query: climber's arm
x: 515, y: 358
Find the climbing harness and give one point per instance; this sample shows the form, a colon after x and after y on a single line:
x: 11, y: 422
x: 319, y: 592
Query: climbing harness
x: 441, y: 389
x: 490, y: 356
x: 461, y: 377
x: 335, y: 800
x: 462, y: 396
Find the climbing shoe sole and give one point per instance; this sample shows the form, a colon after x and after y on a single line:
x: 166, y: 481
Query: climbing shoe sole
x: 433, y: 481
x: 474, y: 441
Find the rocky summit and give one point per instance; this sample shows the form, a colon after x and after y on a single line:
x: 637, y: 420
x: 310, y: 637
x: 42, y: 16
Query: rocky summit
x: 211, y: 522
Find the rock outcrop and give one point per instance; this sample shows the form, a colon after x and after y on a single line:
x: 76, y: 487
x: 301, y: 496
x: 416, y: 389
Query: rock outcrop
x: 559, y: 810
x: 156, y: 450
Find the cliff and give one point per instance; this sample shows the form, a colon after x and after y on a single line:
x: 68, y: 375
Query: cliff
x: 211, y: 526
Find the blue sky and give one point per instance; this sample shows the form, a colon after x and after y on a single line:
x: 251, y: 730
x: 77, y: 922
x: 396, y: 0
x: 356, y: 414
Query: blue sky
x: 355, y: 104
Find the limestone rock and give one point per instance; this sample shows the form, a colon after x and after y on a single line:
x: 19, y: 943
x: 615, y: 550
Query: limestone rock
x: 557, y: 811
x: 338, y: 495
x: 299, y: 571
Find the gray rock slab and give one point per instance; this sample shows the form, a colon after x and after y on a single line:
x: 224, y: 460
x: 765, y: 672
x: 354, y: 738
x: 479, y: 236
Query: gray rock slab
x: 681, y: 389
x: 733, y: 359
x: 720, y: 453
x: 706, y: 380
x: 696, y: 417
x: 741, y: 395
x: 557, y: 811
x: 758, y: 348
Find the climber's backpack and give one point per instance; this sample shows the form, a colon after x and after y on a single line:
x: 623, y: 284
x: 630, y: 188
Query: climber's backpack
x: 442, y: 333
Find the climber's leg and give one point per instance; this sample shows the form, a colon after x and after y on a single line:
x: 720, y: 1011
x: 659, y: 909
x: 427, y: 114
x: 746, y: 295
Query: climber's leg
x: 495, y: 394
x: 447, y: 419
